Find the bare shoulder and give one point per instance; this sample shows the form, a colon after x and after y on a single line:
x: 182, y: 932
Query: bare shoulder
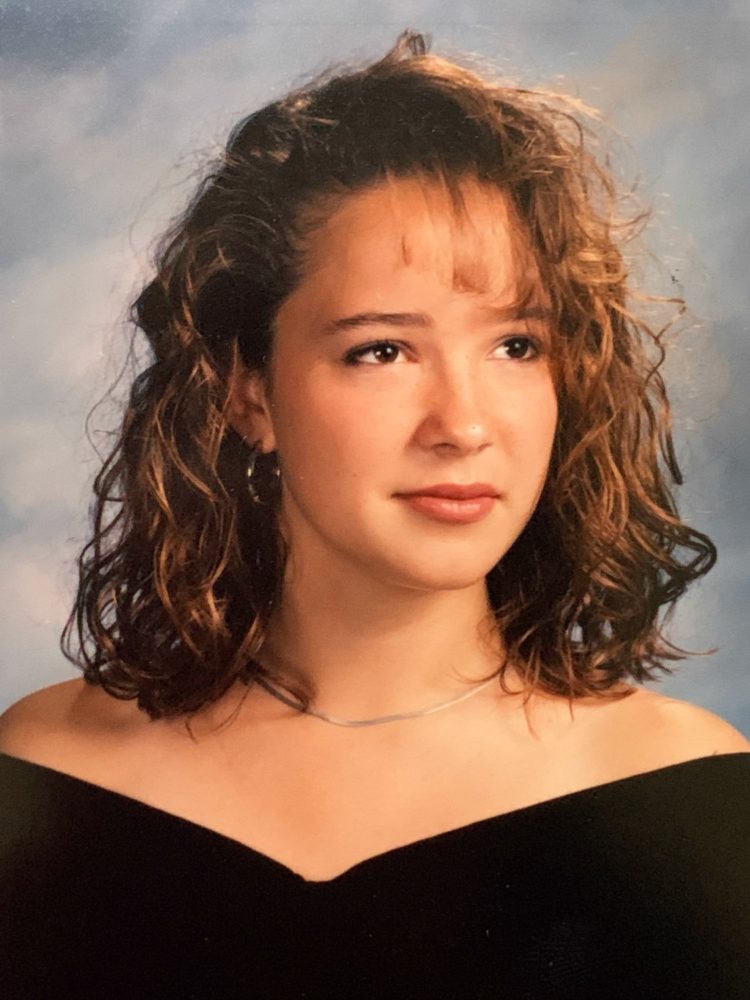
x: 683, y: 730
x: 56, y: 724
x: 37, y: 715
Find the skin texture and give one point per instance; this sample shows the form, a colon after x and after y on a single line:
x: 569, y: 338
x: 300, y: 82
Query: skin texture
x: 464, y: 394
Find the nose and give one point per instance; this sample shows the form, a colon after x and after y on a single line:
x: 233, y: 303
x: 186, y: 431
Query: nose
x: 454, y: 414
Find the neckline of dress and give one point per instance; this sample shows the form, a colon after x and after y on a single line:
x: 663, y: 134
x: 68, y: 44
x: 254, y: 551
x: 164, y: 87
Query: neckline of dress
x: 388, y: 854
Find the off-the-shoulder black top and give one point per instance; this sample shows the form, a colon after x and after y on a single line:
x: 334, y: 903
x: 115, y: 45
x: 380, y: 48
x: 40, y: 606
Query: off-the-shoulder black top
x: 637, y: 888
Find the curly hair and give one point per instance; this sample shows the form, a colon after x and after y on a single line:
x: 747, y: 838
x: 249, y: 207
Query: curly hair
x: 182, y: 573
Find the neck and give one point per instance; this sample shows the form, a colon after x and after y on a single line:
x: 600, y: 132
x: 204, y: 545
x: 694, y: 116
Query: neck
x: 366, y: 649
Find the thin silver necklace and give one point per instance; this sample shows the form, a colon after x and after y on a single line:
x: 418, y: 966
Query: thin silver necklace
x: 369, y: 722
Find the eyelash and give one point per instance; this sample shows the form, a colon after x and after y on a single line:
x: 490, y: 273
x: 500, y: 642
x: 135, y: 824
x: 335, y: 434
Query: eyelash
x: 353, y: 357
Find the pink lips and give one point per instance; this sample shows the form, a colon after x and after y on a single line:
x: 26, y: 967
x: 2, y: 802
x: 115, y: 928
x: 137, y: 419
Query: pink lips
x: 454, y: 491
x: 453, y: 503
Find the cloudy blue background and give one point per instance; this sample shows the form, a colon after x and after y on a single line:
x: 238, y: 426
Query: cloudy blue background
x: 109, y: 106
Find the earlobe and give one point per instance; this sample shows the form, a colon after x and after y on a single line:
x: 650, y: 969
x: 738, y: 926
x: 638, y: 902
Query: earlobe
x: 249, y: 410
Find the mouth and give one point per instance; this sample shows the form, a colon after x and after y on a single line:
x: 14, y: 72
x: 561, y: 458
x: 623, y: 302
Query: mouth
x: 453, y: 504
x: 455, y: 491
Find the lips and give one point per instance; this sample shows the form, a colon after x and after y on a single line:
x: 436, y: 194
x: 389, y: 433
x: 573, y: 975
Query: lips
x: 450, y: 509
x: 454, y: 491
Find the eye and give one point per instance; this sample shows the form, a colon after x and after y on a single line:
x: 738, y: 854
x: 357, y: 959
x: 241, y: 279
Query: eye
x: 520, y: 348
x: 388, y: 352
x: 384, y: 352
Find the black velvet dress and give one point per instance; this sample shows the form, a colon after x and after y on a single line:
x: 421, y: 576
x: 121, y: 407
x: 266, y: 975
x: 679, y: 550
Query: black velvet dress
x: 637, y: 888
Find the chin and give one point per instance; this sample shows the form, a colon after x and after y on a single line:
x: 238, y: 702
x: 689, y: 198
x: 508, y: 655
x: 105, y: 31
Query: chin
x: 437, y: 575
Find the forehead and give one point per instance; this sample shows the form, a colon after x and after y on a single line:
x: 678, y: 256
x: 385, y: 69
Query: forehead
x: 468, y: 234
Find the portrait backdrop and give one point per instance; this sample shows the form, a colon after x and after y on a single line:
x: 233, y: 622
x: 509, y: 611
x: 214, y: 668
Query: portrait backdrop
x: 110, y: 107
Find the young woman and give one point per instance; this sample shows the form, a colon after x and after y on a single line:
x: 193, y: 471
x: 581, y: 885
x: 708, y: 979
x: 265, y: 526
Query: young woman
x: 379, y: 562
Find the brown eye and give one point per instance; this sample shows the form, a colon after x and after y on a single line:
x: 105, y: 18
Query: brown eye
x: 384, y: 352
x: 520, y: 348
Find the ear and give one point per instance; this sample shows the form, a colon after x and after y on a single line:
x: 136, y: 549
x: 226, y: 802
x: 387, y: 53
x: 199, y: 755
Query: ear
x: 250, y: 408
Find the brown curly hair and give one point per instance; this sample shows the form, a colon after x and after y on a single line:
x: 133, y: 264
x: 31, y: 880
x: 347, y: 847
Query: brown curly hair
x: 181, y: 576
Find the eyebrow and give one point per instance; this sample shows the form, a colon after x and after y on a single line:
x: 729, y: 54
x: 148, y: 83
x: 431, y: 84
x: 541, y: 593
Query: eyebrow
x: 502, y: 314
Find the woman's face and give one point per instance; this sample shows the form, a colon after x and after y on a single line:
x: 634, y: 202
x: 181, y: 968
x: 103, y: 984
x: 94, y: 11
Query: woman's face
x: 400, y: 362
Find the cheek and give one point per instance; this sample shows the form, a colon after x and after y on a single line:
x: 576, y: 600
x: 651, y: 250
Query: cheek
x: 548, y: 414
x: 532, y: 424
x: 326, y: 437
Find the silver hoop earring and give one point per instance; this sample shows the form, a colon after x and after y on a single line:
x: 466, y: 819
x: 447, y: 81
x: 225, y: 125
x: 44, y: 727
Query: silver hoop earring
x: 255, y: 452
